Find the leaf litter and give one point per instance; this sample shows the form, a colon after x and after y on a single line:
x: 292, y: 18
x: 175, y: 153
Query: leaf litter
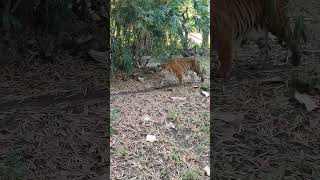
x: 259, y: 131
x: 155, y: 137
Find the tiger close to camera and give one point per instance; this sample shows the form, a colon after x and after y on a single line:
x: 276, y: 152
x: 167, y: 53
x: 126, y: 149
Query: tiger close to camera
x: 237, y: 20
x: 180, y: 66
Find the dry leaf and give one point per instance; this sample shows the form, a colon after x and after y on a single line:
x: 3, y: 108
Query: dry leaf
x: 205, y: 93
x: 141, y: 79
x: 146, y: 118
x: 306, y: 100
x: 151, y: 138
x: 195, y: 86
x: 178, y: 98
x: 207, y: 170
x: 171, y: 126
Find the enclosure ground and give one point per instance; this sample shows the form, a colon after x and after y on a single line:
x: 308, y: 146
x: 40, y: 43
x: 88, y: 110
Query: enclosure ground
x: 180, y: 125
x: 260, y: 131
x: 52, y: 119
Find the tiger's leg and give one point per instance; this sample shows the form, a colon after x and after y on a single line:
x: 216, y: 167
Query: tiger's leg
x: 179, y: 76
x: 200, y: 74
x: 223, y: 36
x: 224, y: 49
x: 201, y: 77
x: 193, y: 76
x: 196, y: 70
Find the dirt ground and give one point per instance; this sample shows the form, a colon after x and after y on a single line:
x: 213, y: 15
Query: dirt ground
x: 181, y: 151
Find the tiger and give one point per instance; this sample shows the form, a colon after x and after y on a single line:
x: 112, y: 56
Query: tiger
x: 180, y: 66
x: 235, y: 20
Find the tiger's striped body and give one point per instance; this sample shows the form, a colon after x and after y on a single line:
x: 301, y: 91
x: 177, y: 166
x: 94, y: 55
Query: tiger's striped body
x: 235, y: 20
x: 180, y: 66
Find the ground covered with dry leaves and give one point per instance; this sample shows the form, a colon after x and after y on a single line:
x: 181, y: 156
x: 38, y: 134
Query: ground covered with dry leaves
x: 178, y: 116
x: 261, y: 128
x: 266, y: 122
x: 51, y: 119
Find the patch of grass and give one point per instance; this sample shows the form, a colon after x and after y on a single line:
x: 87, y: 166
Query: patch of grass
x: 206, y: 115
x: 175, y: 156
x: 123, y: 152
x: 13, y: 165
x: 205, y: 128
x: 190, y: 174
x: 204, y: 86
x: 204, y: 71
x: 180, y: 125
x: 172, y: 115
x: 114, y: 114
x: 204, y: 143
x: 192, y: 119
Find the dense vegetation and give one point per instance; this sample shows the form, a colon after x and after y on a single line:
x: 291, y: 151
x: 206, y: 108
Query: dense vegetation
x: 154, y: 28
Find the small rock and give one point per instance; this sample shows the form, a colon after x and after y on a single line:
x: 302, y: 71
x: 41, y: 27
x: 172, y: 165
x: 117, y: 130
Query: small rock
x: 171, y: 126
x: 151, y: 138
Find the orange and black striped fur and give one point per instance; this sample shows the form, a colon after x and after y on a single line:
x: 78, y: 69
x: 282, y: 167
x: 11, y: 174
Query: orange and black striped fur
x: 180, y: 66
x: 235, y: 20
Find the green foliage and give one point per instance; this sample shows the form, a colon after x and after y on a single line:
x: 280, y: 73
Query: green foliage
x: 190, y: 174
x: 202, y: 15
x: 172, y: 115
x: 204, y: 87
x: 114, y: 114
x: 153, y: 28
